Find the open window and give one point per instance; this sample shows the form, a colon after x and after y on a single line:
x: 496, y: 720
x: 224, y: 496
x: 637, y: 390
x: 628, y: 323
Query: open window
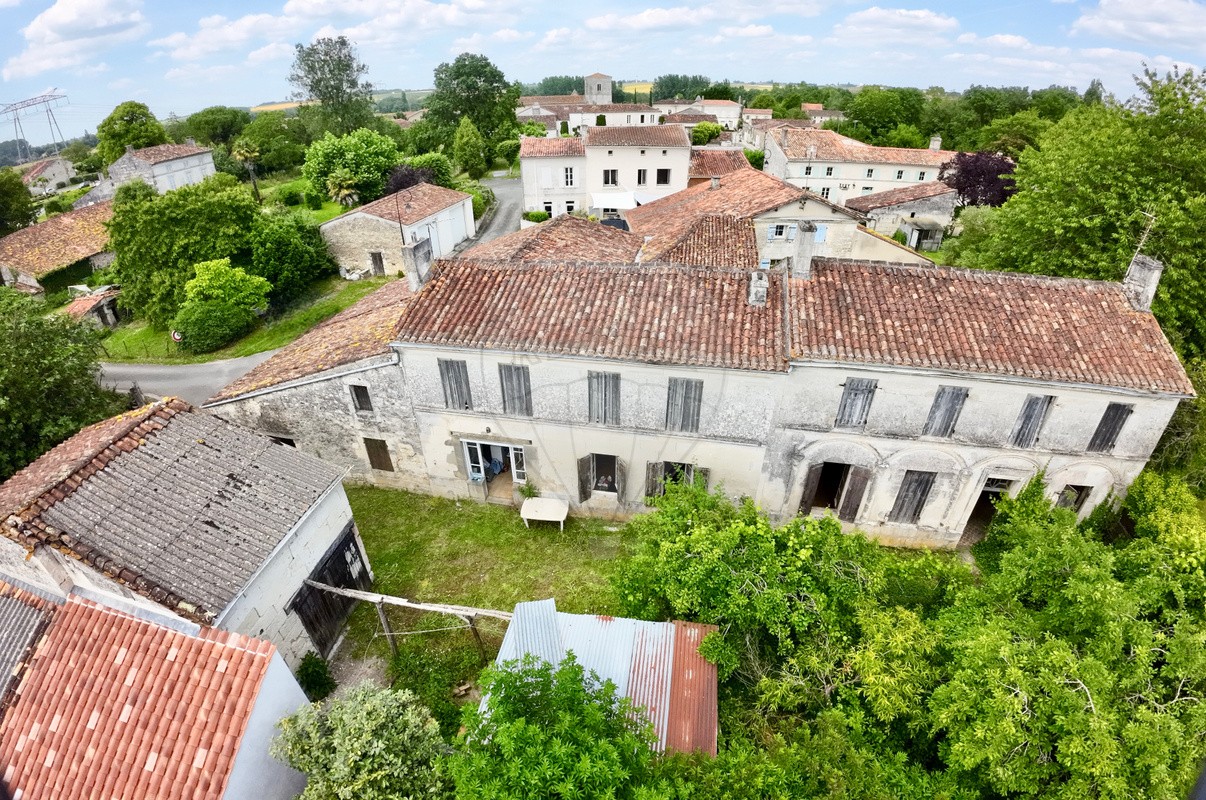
x: 1073, y: 497
x: 984, y: 510
x: 658, y: 473
x: 600, y: 473
x: 835, y: 486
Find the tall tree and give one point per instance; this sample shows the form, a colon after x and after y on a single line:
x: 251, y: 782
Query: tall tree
x: 364, y: 155
x: 688, y: 87
x: 1011, y: 135
x: 877, y: 110
x: 330, y: 73
x: 217, y: 124
x: 16, y: 205
x: 280, y: 140
x: 130, y: 124
x: 289, y: 252
x: 468, y: 148
x: 981, y: 179
x: 471, y: 86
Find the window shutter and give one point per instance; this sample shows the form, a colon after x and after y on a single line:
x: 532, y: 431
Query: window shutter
x: 621, y: 479
x: 770, y: 233
x: 703, y: 476
x: 1030, y: 421
x: 516, y: 389
x: 812, y: 479
x: 586, y: 477
x: 1106, y: 435
x: 791, y: 232
x: 603, y: 397
x: 378, y: 455
x: 944, y: 413
x: 910, y: 500
x: 857, y: 479
x: 856, y: 402
x: 820, y: 234
x: 654, y: 470
x: 454, y: 376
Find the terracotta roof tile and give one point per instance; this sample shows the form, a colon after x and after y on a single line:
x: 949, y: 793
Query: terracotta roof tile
x: 690, y: 119
x: 114, y: 706
x: 771, y: 124
x: 360, y: 332
x: 717, y: 241
x: 706, y: 163
x: 637, y: 136
x: 832, y: 146
x: 30, y: 175
x: 562, y: 238
x: 79, y: 307
x: 758, y: 111
x: 540, y: 147
x: 407, y: 206
x: 654, y: 314
x: 168, y: 152
x: 59, y: 241
x: 892, y: 197
x: 1056, y: 329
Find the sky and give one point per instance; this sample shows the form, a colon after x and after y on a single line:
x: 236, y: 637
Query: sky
x: 180, y: 57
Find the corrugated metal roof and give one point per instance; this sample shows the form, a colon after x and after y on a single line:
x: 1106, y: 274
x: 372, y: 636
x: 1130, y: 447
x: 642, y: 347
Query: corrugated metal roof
x: 693, y: 716
x: 533, y: 630
x: 649, y: 675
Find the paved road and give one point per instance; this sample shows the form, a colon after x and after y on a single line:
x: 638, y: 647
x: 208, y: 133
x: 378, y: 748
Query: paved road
x: 196, y: 383
x: 509, y: 193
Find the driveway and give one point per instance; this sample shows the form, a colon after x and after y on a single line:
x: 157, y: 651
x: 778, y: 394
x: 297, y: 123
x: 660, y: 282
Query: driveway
x: 509, y: 194
x: 196, y: 383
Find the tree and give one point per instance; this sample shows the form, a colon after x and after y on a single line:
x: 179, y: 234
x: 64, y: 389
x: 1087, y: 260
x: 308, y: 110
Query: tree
x: 16, y: 204
x: 405, y: 176
x: 1054, y: 102
x: 246, y: 153
x: 877, y: 110
x: 158, y: 238
x: 76, y: 152
x: 363, y: 156
x: 373, y: 744
x: 981, y: 179
x: 903, y: 135
x: 719, y: 91
x: 393, y: 104
x: 280, y: 140
x: 218, y: 281
x: 468, y: 148
x: 48, y: 380
x: 330, y: 73
x: 1095, y: 95
x: 556, y: 84
x: 209, y: 325
x: 218, y: 124
x: 471, y: 86
x: 1009, y: 136
x: 688, y: 87
x: 550, y: 732
x: 341, y: 187
x: 439, y: 164
x: 289, y: 252
x: 130, y: 124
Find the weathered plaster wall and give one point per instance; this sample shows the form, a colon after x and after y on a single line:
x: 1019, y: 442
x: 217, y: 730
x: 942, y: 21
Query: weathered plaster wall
x: 940, y: 208
x: 255, y: 773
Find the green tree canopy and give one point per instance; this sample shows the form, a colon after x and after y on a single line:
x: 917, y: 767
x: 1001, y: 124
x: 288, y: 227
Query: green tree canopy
x: 289, y: 252
x: 130, y: 124
x: 281, y: 140
x: 1011, y: 135
x: 218, y: 281
x: 330, y: 73
x: 393, y: 104
x: 217, y: 124
x: 471, y: 86
x: 705, y: 132
x: 877, y: 110
x: 48, y: 380
x: 469, y: 149
x: 688, y: 87
x: 16, y: 204
x: 364, y: 155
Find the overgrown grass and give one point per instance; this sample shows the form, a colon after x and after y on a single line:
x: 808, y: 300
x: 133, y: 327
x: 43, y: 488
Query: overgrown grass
x: 138, y: 342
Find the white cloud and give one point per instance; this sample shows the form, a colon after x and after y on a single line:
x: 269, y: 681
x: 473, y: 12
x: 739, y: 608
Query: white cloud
x: 477, y: 42
x: 749, y: 31
x: 217, y: 34
x: 72, y: 33
x: 917, y: 27
x: 1154, y: 22
x: 651, y: 19
x: 270, y: 52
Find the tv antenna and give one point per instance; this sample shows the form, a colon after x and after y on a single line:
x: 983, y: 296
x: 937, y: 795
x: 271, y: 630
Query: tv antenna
x: 28, y: 108
x: 1151, y: 220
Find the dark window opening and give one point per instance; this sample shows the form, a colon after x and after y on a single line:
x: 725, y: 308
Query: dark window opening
x: 599, y: 472
x: 378, y: 455
x: 984, y: 510
x: 378, y: 262
x: 285, y: 440
x: 360, y: 398
x: 663, y: 177
x: 912, y: 497
x: 1073, y: 497
x: 835, y: 486
x: 658, y: 473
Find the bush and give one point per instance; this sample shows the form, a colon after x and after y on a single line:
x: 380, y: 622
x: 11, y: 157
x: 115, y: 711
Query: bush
x: 288, y: 251
x: 483, y: 196
x: 564, y: 128
x: 314, y: 677
x: 439, y: 164
x: 289, y: 195
x: 433, y: 674
x: 314, y: 200
x: 756, y: 158
x: 705, y: 132
x: 366, y: 156
x: 210, y: 325
x: 508, y: 150
x: 56, y: 205
x: 601, y: 120
x: 536, y: 216
x: 218, y: 281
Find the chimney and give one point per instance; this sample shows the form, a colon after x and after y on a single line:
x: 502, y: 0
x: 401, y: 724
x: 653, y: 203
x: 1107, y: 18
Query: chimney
x: 801, y: 260
x: 759, y: 284
x: 715, y: 182
x: 129, y: 148
x: 811, y: 152
x: 191, y: 141
x: 1142, y: 278
x: 935, y: 142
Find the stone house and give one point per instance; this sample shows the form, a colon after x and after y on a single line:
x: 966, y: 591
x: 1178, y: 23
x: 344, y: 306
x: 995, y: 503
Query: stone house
x: 100, y: 702
x: 922, y: 212
x: 752, y: 136
x: 401, y: 233
x: 839, y: 168
x: 48, y: 175
x: 900, y: 397
x: 727, y: 112
x: 98, y: 308
x: 819, y: 115
x: 163, y: 166
x: 712, y: 162
x: 751, y: 115
x: 50, y: 255
x: 578, y: 117
x: 213, y: 523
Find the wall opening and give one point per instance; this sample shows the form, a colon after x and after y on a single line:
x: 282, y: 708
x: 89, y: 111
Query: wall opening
x: 984, y: 510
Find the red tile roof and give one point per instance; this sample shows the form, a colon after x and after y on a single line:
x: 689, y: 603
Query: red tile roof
x: 541, y: 147
x: 360, y: 332
x: 637, y: 136
x: 168, y: 152
x: 654, y: 314
x: 407, y: 206
x: 113, y: 706
x: 690, y: 119
x: 717, y: 241
x: 59, y: 241
x: 771, y: 124
x: 759, y: 111
x: 31, y: 174
x: 892, y: 197
x: 832, y: 146
x: 79, y: 307
x: 563, y: 238
x: 706, y: 163
x: 1052, y: 329
x: 812, y: 107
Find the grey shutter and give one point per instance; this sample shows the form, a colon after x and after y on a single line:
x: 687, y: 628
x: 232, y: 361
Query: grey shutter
x: 621, y: 479
x: 654, y: 470
x: 944, y: 413
x: 454, y: 377
x: 1106, y: 435
x: 684, y: 396
x: 586, y: 477
x: 705, y: 474
x: 812, y: 479
x: 914, y: 491
x: 1030, y: 421
x: 603, y: 390
x: 516, y: 389
x: 856, y: 402
x: 857, y: 479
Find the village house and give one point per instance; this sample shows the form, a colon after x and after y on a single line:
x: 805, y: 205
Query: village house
x: 162, y: 166
x: 65, y: 249
x: 96, y: 308
x: 48, y: 175
x: 839, y: 168
x: 401, y: 233
x: 727, y: 112
x: 900, y: 397
x: 922, y: 212
x: 174, y: 508
x: 751, y: 115
x: 712, y: 162
x: 819, y: 115
x: 752, y: 136
x: 577, y: 117
x: 97, y: 702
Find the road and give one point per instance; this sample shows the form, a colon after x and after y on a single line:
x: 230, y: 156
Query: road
x: 509, y: 194
x: 196, y: 383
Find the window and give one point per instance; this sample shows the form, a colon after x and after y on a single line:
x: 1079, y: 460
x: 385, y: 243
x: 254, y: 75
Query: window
x: 378, y: 455
x: 658, y: 472
x: 1034, y: 411
x: 856, y: 402
x: 642, y: 177
x: 1110, y: 426
x: 825, y: 192
x: 836, y: 486
x: 683, y: 401
x: 663, y: 177
x: 868, y: 189
x: 378, y: 262
x: 664, y: 152
x: 516, y: 389
x: 611, y: 177
x: 808, y: 170
x: 285, y: 440
x: 604, y: 397
x: 828, y: 172
x: 1073, y: 497
x: 628, y: 119
x: 900, y: 174
x: 454, y: 377
x: 871, y: 172
x: 360, y: 398
x: 569, y: 176
x: 914, y: 491
x: 548, y: 207
x: 776, y: 232
x: 569, y: 206
x: 921, y: 175
x: 944, y: 413
x: 599, y: 472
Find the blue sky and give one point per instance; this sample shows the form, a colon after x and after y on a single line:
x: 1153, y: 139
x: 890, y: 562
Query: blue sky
x: 180, y: 57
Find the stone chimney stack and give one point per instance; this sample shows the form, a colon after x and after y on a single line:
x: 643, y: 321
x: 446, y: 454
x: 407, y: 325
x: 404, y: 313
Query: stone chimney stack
x: 935, y: 142
x: 191, y: 141
x: 129, y: 148
x: 801, y: 261
x: 715, y: 182
x: 759, y: 285
x: 1142, y: 278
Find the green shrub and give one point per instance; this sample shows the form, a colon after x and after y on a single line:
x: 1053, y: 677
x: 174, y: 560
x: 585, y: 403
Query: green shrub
x: 433, y: 674
x: 900, y: 237
x: 756, y: 158
x: 314, y: 200
x: 564, y: 128
x: 439, y: 164
x: 209, y: 325
x: 289, y: 195
x: 508, y: 150
x: 314, y: 677
x: 483, y: 196
x: 536, y: 216
x: 705, y: 132
x: 601, y: 120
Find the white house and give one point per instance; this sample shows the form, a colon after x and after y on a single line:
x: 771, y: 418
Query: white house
x: 163, y: 166
x: 839, y: 168
x: 578, y: 117
x: 727, y: 112
x: 752, y: 135
x: 401, y: 233
x: 48, y: 175
x: 751, y: 115
x: 553, y: 172
x: 922, y: 212
x: 216, y: 524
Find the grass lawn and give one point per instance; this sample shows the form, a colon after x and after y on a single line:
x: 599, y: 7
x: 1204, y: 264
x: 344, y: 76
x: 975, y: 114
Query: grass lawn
x: 138, y: 342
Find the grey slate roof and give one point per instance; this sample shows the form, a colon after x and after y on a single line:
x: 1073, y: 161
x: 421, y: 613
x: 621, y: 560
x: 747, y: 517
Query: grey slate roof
x: 22, y: 618
x: 197, y: 507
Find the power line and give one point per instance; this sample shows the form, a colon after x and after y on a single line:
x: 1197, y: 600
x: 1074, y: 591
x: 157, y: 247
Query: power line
x: 29, y: 107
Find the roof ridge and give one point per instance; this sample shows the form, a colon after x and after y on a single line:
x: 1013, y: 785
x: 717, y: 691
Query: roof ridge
x: 1033, y: 277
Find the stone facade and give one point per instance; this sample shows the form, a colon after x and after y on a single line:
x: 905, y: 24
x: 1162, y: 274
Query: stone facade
x: 356, y: 240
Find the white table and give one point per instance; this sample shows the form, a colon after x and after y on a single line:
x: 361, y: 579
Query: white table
x: 545, y: 509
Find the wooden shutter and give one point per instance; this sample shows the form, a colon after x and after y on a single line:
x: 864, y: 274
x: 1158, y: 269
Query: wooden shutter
x: 654, y: 470
x: 1106, y: 435
x: 603, y: 390
x: 910, y: 500
x: 454, y: 376
x: 586, y: 477
x: 770, y: 233
x: 1030, y: 421
x: 812, y: 479
x: 378, y: 455
x: 516, y: 389
x: 856, y: 402
x: 857, y: 479
x: 322, y: 613
x: 621, y: 479
x: 944, y: 413
x: 684, y: 397
x: 704, y: 474
x: 791, y: 232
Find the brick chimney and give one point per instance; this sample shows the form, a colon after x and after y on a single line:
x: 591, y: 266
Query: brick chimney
x: 801, y: 260
x: 1142, y: 278
x: 935, y: 142
x: 759, y: 285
